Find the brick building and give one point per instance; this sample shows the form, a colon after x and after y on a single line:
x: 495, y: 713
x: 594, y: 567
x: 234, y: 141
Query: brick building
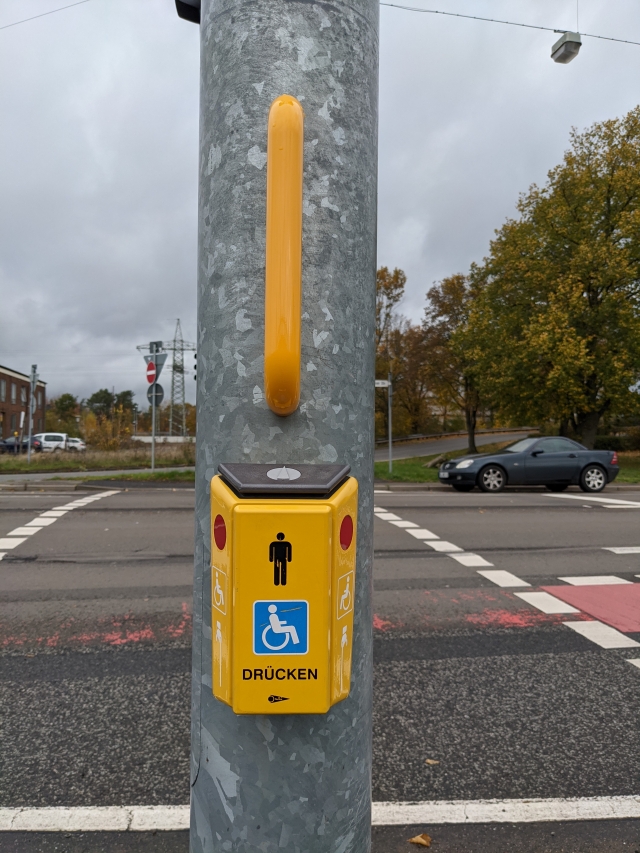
x: 14, y: 399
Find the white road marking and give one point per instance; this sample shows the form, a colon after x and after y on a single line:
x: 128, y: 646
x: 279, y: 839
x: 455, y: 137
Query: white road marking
x: 175, y: 818
x: 634, y: 549
x: 471, y: 560
x: 547, y: 603
x: 45, y: 519
x: 95, y: 819
x: 502, y: 578
x: 595, y: 499
x: 404, y: 524
x: 23, y: 531
x: 603, y: 635
x: 421, y: 533
x: 388, y: 516
x: 505, y: 811
x: 441, y: 545
x: 634, y: 661
x: 612, y: 506
x: 594, y: 580
x: 7, y: 544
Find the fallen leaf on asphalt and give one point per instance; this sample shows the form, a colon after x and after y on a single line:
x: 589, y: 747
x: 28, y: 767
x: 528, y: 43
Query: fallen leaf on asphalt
x: 423, y: 840
x: 431, y: 761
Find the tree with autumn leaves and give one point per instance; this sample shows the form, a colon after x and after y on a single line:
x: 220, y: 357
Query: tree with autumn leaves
x: 554, y: 327
x: 546, y: 329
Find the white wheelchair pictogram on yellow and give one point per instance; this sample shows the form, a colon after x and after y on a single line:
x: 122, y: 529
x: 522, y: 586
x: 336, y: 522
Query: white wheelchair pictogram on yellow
x: 218, y: 593
x: 279, y: 626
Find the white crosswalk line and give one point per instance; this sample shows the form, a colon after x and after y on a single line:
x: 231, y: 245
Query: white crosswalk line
x: 421, y: 533
x: 502, y: 578
x: 602, y: 635
x: 388, y: 516
x: 470, y: 560
x: 593, y: 580
x: 41, y: 522
x: 23, y: 531
x: 634, y: 661
x: 441, y: 545
x: 7, y: 544
x: 545, y: 602
x: 404, y: 524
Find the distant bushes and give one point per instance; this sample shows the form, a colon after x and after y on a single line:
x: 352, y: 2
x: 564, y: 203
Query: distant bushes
x: 620, y: 443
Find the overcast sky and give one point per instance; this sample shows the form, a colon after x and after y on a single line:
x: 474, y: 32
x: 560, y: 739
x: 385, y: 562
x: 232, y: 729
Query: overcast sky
x: 98, y: 160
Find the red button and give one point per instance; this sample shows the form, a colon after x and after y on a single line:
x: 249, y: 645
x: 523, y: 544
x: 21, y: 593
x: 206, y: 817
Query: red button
x: 346, y: 532
x: 220, y: 532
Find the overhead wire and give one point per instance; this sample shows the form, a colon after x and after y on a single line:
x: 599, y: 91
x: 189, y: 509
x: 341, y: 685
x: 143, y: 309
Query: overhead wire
x: 499, y: 21
x: 43, y: 14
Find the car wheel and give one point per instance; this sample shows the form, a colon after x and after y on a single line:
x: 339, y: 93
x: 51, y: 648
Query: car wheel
x: 463, y: 487
x: 492, y: 478
x: 557, y: 487
x: 593, y: 479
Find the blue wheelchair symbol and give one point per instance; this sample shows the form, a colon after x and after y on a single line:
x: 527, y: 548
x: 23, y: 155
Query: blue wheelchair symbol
x: 280, y: 627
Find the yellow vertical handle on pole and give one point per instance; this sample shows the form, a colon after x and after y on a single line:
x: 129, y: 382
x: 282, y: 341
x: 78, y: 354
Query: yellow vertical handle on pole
x: 283, y: 277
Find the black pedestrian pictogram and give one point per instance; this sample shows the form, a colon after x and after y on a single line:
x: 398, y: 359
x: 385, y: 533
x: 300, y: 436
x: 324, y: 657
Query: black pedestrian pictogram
x: 280, y: 555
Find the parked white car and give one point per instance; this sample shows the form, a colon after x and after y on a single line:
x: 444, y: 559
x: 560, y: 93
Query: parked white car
x: 52, y: 441
x: 76, y: 444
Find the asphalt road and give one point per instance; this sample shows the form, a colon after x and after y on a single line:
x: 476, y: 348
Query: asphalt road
x: 508, y: 699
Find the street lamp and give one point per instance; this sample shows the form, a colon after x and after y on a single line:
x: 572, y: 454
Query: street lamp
x: 566, y: 48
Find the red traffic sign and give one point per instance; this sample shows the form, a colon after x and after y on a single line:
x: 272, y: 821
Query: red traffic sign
x: 151, y: 373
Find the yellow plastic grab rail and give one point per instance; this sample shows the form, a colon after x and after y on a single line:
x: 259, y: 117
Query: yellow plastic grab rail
x: 283, y: 278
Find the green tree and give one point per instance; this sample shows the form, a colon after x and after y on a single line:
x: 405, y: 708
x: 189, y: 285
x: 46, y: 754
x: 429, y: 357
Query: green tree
x: 556, y: 319
x: 451, y: 368
x: 65, y: 406
x: 101, y: 403
x: 124, y: 400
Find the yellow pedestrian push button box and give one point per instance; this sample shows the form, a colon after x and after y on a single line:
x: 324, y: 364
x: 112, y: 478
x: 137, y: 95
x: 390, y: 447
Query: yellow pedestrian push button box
x: 282, y: 586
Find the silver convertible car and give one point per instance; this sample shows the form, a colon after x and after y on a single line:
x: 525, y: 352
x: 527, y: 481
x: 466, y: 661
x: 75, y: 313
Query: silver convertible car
x: 556, y: 463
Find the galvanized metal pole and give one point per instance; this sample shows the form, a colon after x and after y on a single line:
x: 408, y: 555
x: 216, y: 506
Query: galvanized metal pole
x: 389, y: 411
x: 32, y: 392
x: 281, y: 784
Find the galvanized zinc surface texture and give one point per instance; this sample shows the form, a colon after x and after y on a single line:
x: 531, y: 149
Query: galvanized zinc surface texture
x: 289, y: 783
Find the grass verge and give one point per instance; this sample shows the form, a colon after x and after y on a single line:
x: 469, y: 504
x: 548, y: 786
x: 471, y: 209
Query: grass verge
x: 167, y: 456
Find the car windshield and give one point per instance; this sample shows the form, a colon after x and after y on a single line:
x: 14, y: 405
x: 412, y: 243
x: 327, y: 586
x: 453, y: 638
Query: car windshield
x: 519, y: 446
